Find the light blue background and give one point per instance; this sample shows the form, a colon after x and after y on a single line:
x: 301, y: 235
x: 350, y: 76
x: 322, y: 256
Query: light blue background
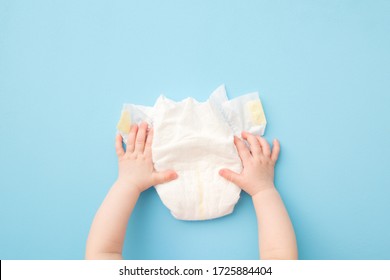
x: 322, y: 70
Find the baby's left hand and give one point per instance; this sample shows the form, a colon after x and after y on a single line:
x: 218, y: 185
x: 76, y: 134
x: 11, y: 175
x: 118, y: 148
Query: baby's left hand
x: 135, y: 164
x: 258, y: 163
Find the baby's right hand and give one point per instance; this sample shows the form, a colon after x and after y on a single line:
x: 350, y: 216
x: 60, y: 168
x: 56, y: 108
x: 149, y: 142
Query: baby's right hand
x: 258, y: 164
x: 136, y: 169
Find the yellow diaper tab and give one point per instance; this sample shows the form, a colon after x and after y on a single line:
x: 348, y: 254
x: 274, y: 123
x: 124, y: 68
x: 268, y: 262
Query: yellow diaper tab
x: 124, y: 122
x: 256, y: 111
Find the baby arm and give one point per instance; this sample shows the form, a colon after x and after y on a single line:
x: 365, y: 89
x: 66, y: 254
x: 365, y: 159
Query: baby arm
x: 276, y: 233
x: 136, y: 174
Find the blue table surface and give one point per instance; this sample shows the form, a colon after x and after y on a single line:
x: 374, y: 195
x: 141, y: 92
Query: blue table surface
x: 322, y: 69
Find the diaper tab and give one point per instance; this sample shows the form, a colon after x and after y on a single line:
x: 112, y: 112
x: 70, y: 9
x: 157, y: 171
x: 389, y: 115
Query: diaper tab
x: 133, y: 114
x: 256, y: 112
x: 124, y: 123
x: 245, y: 113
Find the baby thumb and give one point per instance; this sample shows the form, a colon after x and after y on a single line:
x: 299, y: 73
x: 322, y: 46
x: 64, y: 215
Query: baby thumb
x: 164, y: 176
x: 230, y: 176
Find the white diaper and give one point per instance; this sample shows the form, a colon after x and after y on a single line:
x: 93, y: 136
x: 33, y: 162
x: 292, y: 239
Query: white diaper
x: 196, y: 140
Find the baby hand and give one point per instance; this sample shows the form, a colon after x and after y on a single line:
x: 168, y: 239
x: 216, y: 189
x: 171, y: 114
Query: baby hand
x: 135, y: 164
x: 258, y: 164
